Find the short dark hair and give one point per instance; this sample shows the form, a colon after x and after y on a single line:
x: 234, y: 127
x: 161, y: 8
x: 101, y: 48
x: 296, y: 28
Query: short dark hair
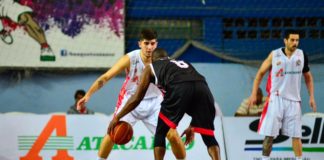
x: 148, y: 33
x: 289, y: 32
x: 79, y: 92
x: 159, y: 53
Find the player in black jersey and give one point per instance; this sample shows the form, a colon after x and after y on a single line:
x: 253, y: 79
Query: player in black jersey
x: 186, y: 91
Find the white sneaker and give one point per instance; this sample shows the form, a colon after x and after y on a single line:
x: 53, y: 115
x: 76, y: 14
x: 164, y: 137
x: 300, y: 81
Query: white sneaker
x: 6, y: 37
x: 47, y: 54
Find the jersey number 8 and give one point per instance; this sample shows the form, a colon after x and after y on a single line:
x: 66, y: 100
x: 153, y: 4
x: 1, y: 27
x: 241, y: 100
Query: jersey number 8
x: 180, y: 64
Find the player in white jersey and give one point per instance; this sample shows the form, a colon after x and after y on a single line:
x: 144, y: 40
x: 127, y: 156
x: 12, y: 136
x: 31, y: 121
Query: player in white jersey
x: 283, y: 109
x: 22, y: 15
x: 133, y: 63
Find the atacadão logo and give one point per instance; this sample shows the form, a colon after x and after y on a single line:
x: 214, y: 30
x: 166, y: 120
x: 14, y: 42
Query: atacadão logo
x: 54, y: 137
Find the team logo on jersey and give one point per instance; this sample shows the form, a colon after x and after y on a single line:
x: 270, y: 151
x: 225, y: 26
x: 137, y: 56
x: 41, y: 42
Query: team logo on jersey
x: 298, y: 62
x: 278, y: 63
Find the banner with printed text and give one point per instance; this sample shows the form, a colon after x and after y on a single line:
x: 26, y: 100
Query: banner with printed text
x: 78, y: 137
x: 243, y: 141
x: 61, y: 33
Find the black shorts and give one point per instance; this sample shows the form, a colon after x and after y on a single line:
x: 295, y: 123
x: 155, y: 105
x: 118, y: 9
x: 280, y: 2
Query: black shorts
x: 193, y: 98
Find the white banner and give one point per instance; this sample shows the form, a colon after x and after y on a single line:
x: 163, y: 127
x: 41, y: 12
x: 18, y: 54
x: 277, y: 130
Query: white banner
x: 61, y: 137
x: 62, y: 34
x: 244, y: 143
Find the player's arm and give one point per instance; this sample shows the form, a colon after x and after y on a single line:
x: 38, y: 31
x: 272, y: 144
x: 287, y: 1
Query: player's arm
x: 135, y: 99
x: 133, y: 102
x: 266, y: 65
x: 122, y: 64
x: 310, y: 87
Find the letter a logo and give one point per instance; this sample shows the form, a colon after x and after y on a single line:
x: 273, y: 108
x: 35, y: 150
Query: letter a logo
x: 58, y: 123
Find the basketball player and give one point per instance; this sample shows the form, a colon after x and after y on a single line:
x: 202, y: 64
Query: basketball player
x: 186, y: 91
x: 134, y: 63
x: 283, y: 109
x: 22, y: 15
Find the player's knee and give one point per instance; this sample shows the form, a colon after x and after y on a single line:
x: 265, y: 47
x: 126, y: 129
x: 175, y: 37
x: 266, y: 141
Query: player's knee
x: 209, y: 141
x: 172, y: 136
x: 24, y: 18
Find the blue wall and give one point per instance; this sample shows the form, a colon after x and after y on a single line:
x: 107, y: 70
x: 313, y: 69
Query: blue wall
x: 47, y: 92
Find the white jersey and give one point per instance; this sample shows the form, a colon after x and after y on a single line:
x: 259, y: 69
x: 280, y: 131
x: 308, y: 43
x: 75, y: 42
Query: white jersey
x: 133, y: 77
x: 286, y: 74
x: 12, y: 9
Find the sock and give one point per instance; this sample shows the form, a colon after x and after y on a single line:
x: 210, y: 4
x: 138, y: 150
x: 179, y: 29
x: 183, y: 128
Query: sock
x: 98, y: 158
x: 265, y: 158
x: 299, y: 158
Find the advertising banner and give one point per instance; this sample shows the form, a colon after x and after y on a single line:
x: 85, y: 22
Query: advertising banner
x: 78, y: 137
x: 61, y: 33
x: 243, y: 141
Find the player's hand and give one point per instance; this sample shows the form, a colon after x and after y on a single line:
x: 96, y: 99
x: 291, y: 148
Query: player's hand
x: 312, y: 103
x: 82, y: 103
x: 112, y: 125
x: 190, y: 135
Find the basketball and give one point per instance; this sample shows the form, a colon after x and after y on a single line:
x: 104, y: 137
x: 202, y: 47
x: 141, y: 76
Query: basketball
x: 122, y: 133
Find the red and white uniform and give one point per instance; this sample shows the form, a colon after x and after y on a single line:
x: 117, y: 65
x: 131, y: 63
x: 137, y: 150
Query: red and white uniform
x: 283, y: 110
x: 149, y: 108
x: 12, y: 9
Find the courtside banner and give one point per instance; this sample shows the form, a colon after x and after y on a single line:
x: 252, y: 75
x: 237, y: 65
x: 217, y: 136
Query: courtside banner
x: 78, y: 137
x: 243, y: 141
x: 61, y: 33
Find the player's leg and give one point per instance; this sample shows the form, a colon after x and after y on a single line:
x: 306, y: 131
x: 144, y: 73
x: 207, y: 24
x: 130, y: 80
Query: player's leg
x: 37, y: 34
x: 32, y: 28
x: 177, y: 146
x: 292, y: 125
x: 267, y: 147
x: 212, y: 146
x: 203, y: 113
x: 159, y: 140
x: 297, y: 147
x: 270, y: 123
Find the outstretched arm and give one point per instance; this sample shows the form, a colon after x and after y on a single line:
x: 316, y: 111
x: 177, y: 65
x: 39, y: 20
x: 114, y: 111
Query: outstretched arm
x: 310, y: 87
x: 122, y: 64
x: 135, y: 99
x: 266, y: 65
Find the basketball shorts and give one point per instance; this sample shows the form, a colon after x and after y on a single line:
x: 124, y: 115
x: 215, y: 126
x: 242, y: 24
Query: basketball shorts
x: 12, y: 10
x: 147, y: 111
x: 193, y: 98
x: 280, y: 113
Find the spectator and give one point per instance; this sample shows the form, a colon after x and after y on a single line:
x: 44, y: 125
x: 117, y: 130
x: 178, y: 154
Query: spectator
x: 244, y: 110
x: 73, y: 109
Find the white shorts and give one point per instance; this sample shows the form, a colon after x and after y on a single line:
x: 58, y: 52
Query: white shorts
x: 280, y: 113
x: 147, y: 111
x: 12, y: 10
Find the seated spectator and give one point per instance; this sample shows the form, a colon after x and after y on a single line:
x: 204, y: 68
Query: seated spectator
x: 255, y: 110
x: 73, y: 109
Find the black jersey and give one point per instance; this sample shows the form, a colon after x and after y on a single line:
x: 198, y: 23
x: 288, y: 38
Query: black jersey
x: 168, y: 72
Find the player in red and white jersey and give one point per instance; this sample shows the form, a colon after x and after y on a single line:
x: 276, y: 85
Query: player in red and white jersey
x: 283, y: 109
x: 134, y: 63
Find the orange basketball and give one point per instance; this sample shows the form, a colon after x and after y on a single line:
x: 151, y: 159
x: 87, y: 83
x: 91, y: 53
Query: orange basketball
x: 122, y: 133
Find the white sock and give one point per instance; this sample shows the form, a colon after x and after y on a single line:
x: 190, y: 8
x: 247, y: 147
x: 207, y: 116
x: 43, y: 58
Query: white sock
x: 265, y: 158
x: 98, y: 158
x: 299, y: 158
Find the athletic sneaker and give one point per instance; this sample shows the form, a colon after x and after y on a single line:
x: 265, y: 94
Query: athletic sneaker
x: 47, y: 54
